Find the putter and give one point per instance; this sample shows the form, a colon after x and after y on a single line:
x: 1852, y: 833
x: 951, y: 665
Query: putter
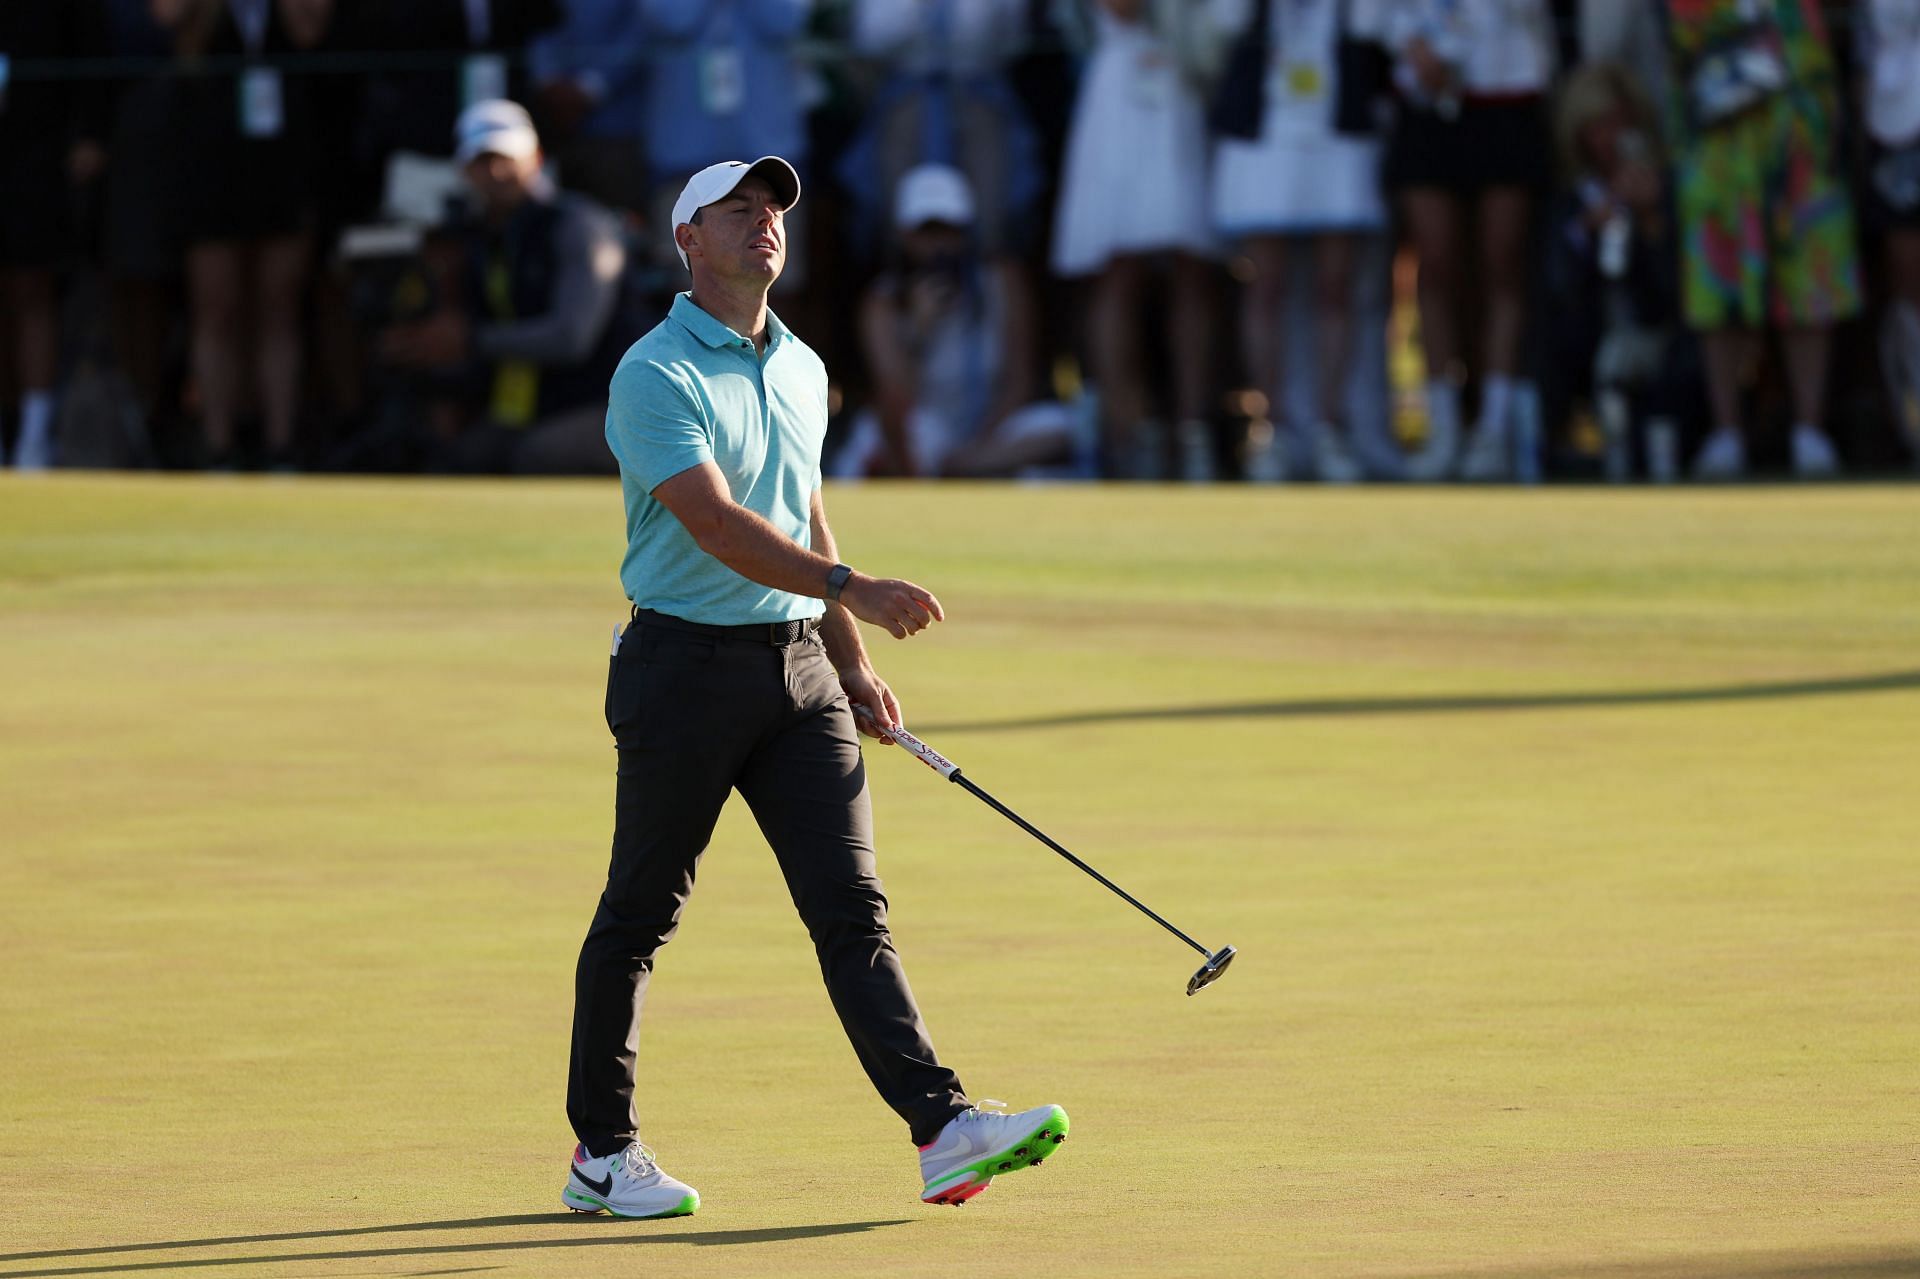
x: 1217, y: 961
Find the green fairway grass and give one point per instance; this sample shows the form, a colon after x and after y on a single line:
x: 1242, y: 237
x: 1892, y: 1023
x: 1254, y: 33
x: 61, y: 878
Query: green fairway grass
x: 1571, y: 842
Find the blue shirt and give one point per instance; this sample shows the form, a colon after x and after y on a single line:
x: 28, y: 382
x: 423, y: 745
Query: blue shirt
x: 694, y: 391
x: 724, y: 84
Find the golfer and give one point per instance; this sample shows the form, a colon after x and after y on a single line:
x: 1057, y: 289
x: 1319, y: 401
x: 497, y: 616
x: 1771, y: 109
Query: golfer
x: 740, y: 670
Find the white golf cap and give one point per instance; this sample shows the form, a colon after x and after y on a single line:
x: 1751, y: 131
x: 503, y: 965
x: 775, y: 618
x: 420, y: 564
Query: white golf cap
x: 498, y: 127
x: 716, y: 180
x: 932, y: 193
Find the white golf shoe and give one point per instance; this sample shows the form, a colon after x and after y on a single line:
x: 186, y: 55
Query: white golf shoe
x: 627, y: 1184
x: 976, y: 1145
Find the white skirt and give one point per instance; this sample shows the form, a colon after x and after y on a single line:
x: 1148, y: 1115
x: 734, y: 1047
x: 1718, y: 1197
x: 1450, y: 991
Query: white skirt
x: 1135, y: 175
x: 1293, y: 182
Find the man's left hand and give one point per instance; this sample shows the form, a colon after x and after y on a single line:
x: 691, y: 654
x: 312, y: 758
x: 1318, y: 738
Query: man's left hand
x: 866, y: 689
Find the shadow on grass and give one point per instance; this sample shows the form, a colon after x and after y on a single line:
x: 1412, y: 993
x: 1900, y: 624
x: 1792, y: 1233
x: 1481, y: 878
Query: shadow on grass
x: 1895, y: 1263
x: 1889, y: 682
x: 586, y: 1232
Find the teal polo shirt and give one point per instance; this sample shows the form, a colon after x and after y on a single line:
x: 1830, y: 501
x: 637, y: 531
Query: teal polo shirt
x: 694, y: 391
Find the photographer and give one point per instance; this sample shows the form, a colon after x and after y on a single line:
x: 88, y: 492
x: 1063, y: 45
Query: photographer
x: 948, y: 335
x: 1613, y: 270
x: 530, y: 324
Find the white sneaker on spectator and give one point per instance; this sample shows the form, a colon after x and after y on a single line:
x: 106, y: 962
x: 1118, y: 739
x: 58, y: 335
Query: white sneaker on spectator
x: 1334, y: 451
x: 1194, y: 442
x: 1813, y: 454
x: 1264, y: 462
x: 1722, y: 457
x: 1489, y: 455
x: 1434, y: 459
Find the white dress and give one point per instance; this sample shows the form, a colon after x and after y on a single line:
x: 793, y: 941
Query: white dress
x: 1300, y: 175
x: 1135, y: 175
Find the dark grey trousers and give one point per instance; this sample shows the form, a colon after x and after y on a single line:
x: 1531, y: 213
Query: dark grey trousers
x: 696, y: 716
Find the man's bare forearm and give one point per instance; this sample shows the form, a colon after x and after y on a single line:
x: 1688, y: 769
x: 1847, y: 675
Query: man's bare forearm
x: 746, y: 543
x: 759, y: 552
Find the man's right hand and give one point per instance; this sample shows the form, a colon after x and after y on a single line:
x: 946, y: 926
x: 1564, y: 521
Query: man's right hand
x: 899, y: 607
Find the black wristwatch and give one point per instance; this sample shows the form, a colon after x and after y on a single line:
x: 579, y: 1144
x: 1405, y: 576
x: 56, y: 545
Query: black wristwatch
x: 837, y: 579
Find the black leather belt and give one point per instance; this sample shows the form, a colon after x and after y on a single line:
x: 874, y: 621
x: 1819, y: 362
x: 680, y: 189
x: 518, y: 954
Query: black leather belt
x: 778, y: 634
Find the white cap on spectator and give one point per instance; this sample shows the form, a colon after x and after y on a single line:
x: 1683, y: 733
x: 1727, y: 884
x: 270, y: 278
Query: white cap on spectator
x: 716, y: 180
x: 932, y: 193
x: 498, y: 127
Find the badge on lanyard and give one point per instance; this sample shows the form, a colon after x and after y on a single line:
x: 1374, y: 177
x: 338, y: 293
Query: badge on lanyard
x: 1304, y: 82
x: 1298, y: 93
x: 262, y: 109
x: 483, y: 78
x: 723, y: 81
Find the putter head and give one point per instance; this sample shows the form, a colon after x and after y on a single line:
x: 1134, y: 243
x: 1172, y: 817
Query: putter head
x: 1211, y: 971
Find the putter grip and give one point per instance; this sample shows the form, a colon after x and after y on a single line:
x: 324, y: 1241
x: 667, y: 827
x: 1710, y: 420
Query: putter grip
x: 920, y: 750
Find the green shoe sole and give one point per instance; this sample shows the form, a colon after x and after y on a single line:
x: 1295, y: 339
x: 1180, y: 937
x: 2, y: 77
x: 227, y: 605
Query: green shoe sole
x: 1025, y: 1152
x: 580, y: 1201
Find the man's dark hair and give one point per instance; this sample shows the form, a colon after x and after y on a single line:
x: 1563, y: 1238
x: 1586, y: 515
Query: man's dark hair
x: 695, y: 219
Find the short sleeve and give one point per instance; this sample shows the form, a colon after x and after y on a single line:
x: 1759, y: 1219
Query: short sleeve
x: 655, y: 426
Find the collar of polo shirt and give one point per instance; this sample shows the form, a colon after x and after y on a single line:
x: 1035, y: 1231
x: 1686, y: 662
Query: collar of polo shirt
x: 717, y: 335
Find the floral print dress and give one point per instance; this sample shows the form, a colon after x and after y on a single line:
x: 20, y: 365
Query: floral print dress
x: 1767, y: 225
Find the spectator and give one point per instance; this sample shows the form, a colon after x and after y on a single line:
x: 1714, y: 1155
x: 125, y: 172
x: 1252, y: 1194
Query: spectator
x: 1468, y: 148
x: 590, y: 91
x: 247, y: 208
x: 1612, y: 268
x: 949, y: 338
x: 457, y: 53
x: 140, y: 246
x: 1134, y: 188
x: 1890, y: 86
x: 529, y: 334
x: 49, y: 143
x: 724, y: 84
x: 1763, y: 215
x: 946, y: 99
x: 1301, y: 178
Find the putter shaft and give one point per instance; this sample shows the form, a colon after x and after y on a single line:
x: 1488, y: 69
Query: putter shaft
x: 1042, y: 836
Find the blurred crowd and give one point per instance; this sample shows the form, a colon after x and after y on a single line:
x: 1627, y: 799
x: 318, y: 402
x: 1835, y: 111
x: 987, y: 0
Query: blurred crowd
x: 1483, y: 240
